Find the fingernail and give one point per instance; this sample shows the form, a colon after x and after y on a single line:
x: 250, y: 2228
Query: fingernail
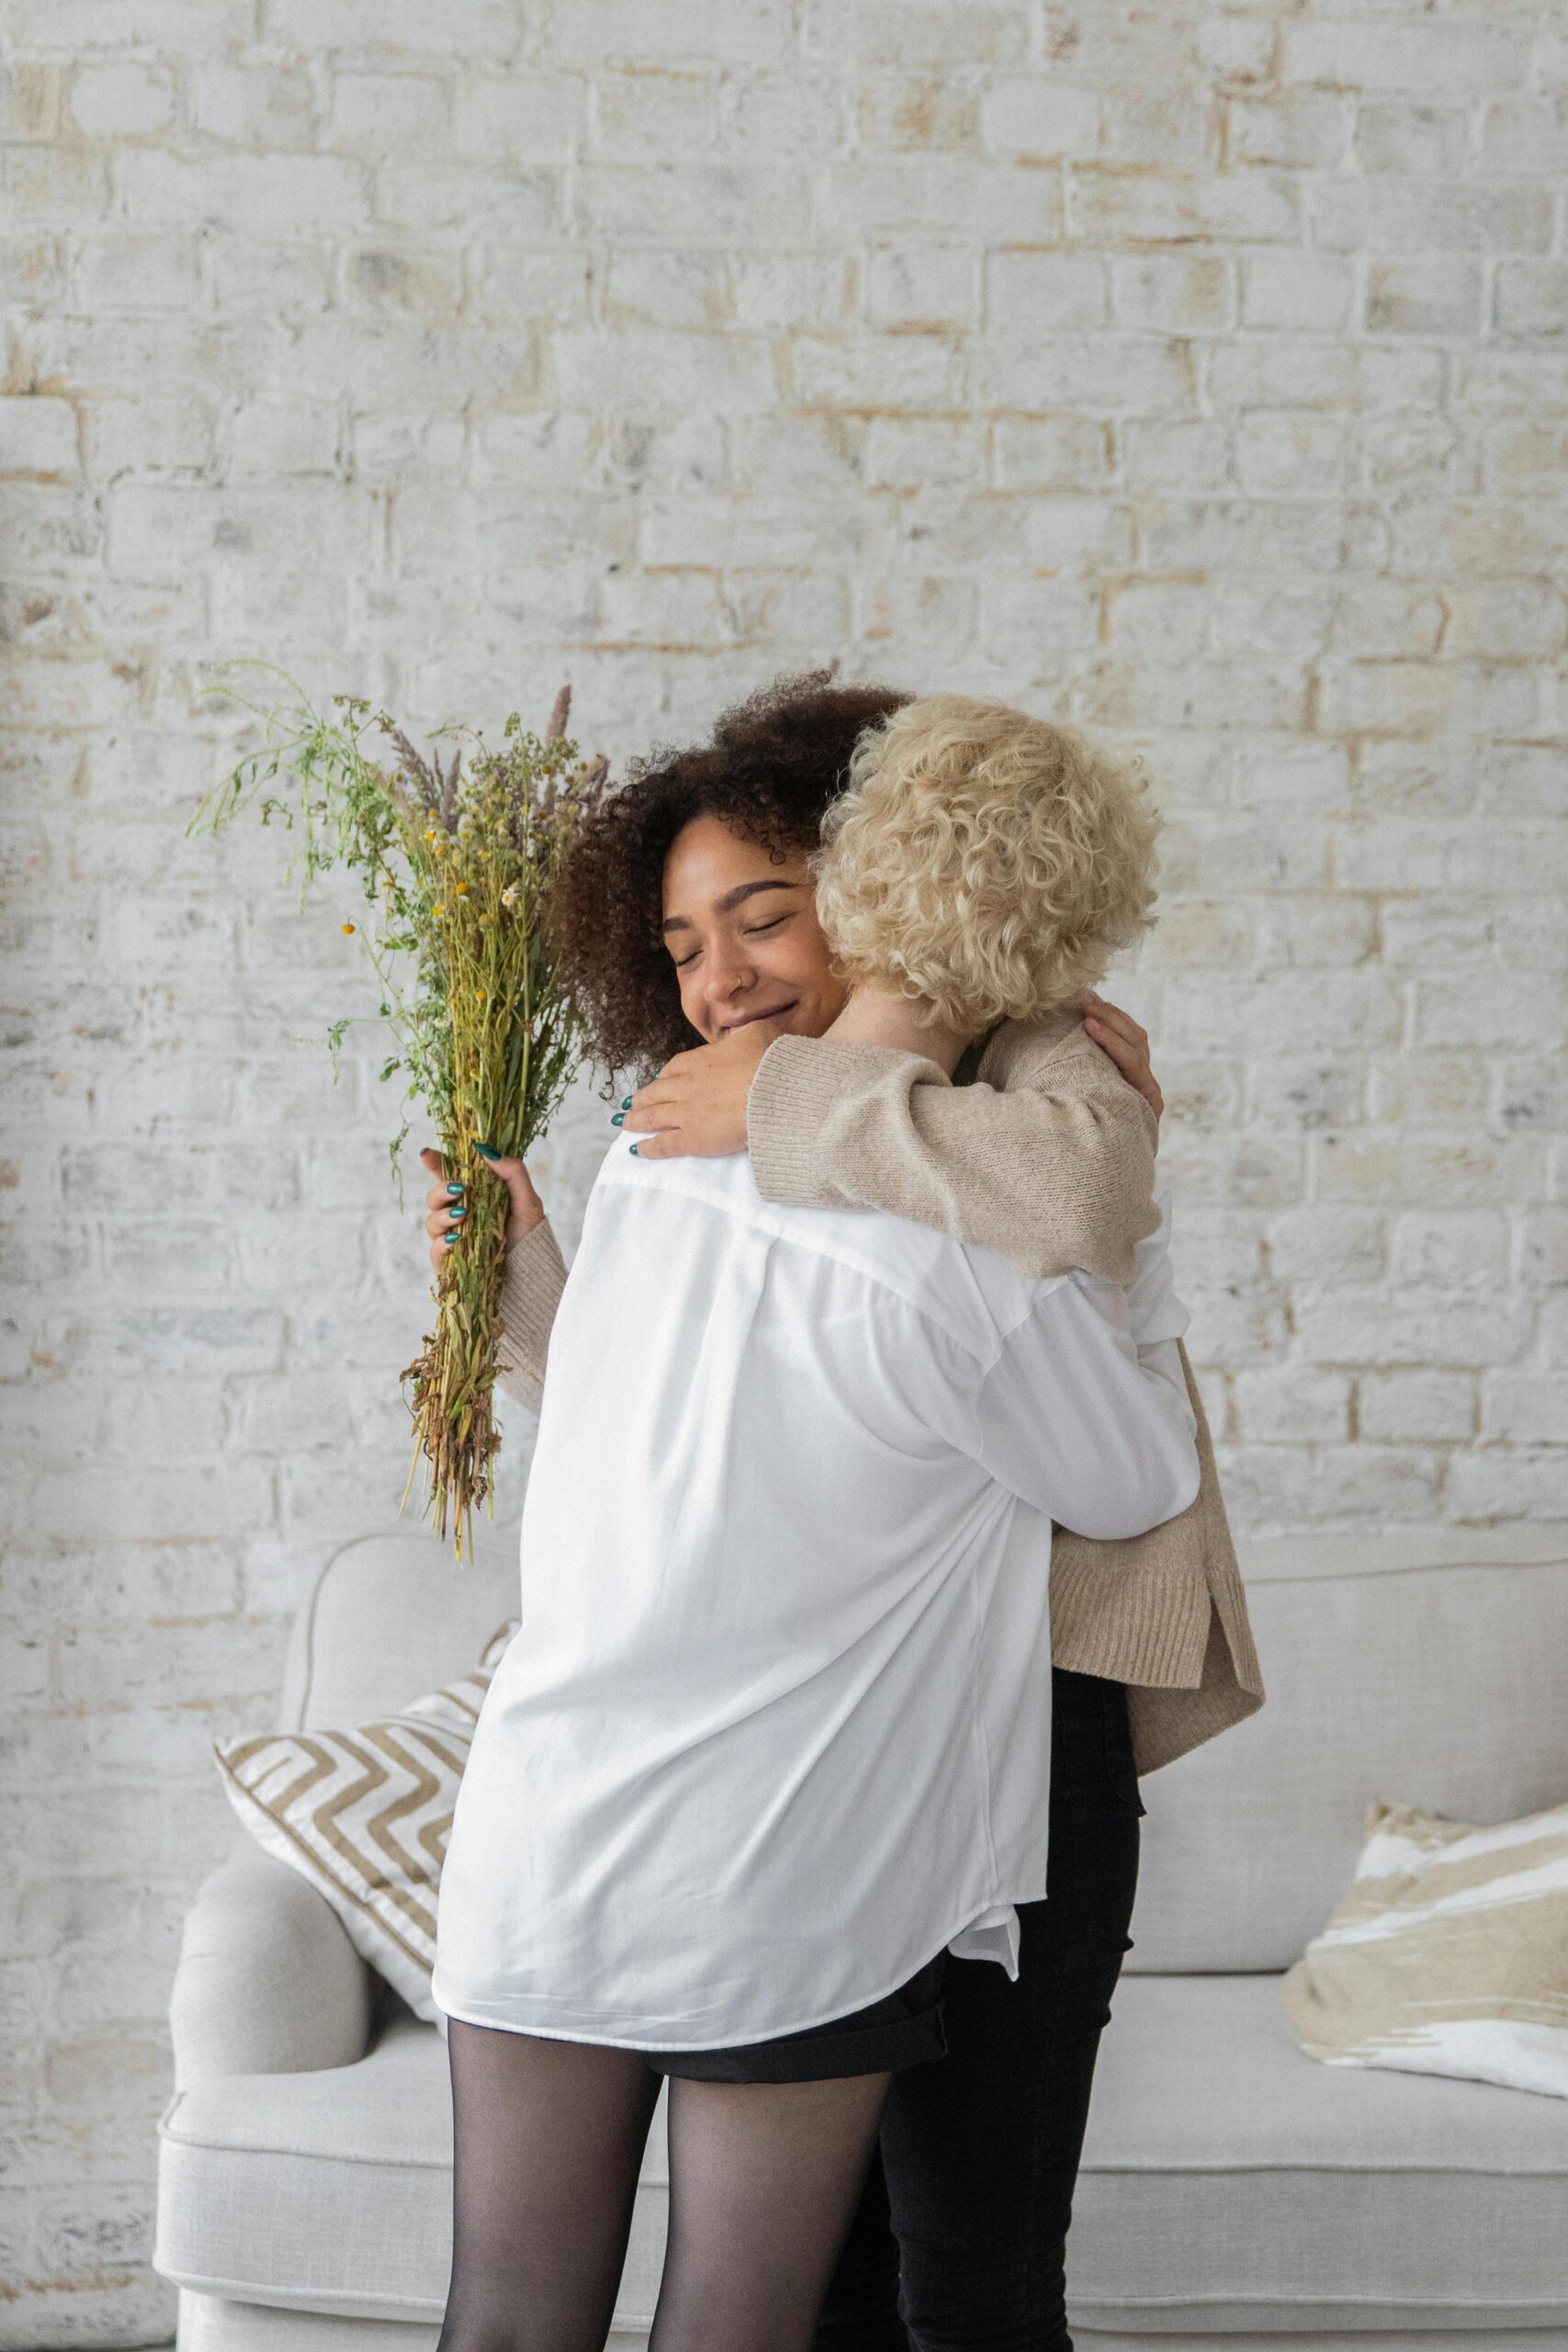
x: 617, y: 1118
x: 453, y: 1188
x: 488, y: 1150
x: 634, y: 1147
x: 625, y: 1102
x: 457, y: 1213
x: 448, y: 1238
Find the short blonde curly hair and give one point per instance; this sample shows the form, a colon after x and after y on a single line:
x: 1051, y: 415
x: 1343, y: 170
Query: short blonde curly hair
x: 988, y: 863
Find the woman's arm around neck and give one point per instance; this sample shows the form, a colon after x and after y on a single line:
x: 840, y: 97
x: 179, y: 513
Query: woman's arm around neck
x: 1047, y: 1158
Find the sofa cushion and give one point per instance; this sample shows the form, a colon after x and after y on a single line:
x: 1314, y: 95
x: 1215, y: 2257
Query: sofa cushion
x: 1442, y: 1685
x: 332, y: 2191
x: 1228, y: 2184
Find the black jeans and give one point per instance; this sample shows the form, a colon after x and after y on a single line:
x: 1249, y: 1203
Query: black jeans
x: 959, y: 2242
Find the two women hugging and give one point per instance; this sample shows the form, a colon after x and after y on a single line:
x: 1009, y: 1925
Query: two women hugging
x: 872, y: 1550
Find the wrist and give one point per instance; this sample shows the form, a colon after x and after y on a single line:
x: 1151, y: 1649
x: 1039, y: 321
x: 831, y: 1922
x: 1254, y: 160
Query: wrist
x: 520, y: 1225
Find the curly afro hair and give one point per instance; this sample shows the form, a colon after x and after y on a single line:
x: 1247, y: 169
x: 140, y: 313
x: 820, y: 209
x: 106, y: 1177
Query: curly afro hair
x: 770, y: 769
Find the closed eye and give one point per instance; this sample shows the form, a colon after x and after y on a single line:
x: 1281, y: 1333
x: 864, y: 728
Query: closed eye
x: 752, y: 930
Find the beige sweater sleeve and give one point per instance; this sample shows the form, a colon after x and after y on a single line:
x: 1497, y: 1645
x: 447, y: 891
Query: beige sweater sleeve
x: 1047, y: 1156
x: 530, y: 1293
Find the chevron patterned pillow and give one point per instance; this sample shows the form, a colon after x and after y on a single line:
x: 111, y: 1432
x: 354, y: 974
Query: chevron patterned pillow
x: 1447, y: 1955
x: 364, y: 1815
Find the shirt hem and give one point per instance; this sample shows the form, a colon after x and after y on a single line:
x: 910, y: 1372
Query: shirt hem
x: 507, y: 2016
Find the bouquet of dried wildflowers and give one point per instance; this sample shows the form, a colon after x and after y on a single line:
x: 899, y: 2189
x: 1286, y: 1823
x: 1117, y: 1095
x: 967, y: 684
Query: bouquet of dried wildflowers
x: 457, y: 867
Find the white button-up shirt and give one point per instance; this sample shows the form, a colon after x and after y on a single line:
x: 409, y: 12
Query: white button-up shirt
x: 776, y: 1726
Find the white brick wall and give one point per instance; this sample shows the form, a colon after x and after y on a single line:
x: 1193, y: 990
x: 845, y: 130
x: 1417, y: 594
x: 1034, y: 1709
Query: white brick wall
x: 1194, y: 372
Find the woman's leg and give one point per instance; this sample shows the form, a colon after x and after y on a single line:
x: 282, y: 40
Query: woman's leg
x: 763, y: 2179
x: 547, y: 2142
x: 981, y: 2152
x: 984, y: 2248
x: 859, y: 2312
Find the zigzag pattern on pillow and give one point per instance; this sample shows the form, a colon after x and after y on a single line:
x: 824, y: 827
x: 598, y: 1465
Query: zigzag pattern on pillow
x: 365, y: 1814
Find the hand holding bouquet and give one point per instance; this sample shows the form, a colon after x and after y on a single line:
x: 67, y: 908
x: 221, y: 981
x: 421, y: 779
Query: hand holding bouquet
x: 457, y: 867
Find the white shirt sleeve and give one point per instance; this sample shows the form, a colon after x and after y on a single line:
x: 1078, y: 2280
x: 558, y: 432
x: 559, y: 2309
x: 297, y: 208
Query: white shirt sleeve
x: 1161, y: 1359
x: 1070, y: 1418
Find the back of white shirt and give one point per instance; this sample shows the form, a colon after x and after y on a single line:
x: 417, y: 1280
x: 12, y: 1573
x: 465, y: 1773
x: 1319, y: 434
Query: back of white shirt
x: 776, y: 1725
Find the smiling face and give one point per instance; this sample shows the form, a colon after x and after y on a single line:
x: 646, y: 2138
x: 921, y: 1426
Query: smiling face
x: 741, y: 929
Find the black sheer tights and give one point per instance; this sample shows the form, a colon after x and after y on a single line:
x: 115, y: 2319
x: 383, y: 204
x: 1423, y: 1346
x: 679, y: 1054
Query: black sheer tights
x: 549, y: 2139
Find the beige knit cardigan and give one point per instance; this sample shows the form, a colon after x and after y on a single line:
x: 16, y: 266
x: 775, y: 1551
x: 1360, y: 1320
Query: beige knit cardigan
x: 1038, y: 1149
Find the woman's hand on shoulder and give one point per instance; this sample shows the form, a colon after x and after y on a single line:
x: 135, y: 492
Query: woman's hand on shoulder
x: 696, y: 1106
x: 1117, y: 1033
x: 447, y: 1206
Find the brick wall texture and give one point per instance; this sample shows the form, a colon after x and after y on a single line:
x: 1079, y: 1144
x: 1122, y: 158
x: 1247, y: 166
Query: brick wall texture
x: 1193, y: 372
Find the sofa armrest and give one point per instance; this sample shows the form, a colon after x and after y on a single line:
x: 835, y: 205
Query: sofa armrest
x: 268, y: 1981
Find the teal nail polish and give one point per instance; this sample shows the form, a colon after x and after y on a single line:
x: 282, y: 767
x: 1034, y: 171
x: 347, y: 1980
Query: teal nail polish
x: 448, y: 1238
x: 625, y: 1102
x: 453, y: 1188
x: 617, y: 1118
x: 457, y: 1213
x: 489, y: 1152
x: 634, y: 1147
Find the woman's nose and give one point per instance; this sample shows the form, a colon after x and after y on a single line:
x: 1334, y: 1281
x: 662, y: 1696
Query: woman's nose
x: 728, y: 976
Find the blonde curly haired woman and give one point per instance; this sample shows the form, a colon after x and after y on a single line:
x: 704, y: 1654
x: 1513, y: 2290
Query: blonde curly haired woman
x: 977, y: 2152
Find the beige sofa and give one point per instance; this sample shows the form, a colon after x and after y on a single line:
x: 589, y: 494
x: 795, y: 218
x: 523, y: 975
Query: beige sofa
x: 1233, y: 2193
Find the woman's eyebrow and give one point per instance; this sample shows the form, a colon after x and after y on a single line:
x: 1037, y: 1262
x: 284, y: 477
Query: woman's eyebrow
x: 731, y: 899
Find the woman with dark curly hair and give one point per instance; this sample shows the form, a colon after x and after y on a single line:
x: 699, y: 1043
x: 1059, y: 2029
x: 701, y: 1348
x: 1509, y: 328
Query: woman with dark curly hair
x: 768, y: 774
x: 977, y: 871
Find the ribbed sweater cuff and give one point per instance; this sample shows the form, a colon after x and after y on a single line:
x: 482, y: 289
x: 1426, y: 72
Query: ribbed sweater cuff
x: 530, y: 1293
x: 796, y: 1086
